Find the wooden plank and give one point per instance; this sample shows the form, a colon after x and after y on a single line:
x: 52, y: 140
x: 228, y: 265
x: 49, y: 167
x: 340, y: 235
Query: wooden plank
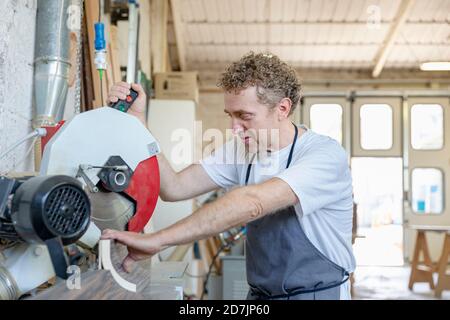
x: 179, y: 33
x: 91, y: 13
x: 145, y: 44
x: 386, y: 46
x: 159, y: 17
x: 87, y: 89
x: 114, y: 54
x: 112, y: 73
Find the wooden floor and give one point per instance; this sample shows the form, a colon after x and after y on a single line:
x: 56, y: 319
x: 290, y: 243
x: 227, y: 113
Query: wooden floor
x: 390, y: 283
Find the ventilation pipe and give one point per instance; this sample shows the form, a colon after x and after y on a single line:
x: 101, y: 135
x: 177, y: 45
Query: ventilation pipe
x: 51, y: 64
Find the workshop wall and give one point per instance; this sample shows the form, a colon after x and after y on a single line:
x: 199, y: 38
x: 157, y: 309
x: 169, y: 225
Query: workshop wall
x: 210, y: 113
x: 17, y: 32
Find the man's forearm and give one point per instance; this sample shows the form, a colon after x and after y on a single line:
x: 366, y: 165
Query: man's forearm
x: 235, y: 208
x: 168, y: 177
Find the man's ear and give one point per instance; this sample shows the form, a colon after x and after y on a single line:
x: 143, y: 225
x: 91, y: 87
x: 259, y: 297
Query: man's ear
x: 284, y: 108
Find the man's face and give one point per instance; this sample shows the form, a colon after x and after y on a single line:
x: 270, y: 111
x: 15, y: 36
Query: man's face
x: 249, y: 118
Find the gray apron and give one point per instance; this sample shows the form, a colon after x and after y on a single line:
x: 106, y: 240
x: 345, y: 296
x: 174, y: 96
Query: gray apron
x: 283, y: 264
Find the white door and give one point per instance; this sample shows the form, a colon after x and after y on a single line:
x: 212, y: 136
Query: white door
x: 329, y: 116
x: 377, y: 173
x: 428, y: 143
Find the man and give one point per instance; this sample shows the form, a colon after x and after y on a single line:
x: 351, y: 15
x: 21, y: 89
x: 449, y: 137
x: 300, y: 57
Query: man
x: 298, y: 213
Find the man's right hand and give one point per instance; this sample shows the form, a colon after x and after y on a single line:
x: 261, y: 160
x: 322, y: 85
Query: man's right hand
x: 120, y: 90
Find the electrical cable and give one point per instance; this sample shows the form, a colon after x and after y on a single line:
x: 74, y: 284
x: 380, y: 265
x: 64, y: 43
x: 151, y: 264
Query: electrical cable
x: 101, y: 86
x: 39, y: 132
x: 27, y: 153
x: 100, y: 70
x: 210, y: 269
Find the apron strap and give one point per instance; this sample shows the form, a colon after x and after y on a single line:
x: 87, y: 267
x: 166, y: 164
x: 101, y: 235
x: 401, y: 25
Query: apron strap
x: 291, y: 152
x: 296, y: 292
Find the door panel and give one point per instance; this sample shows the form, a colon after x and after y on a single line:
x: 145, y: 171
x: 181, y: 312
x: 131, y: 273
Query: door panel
x: 377, y: 130
x: 329, y: 116
x: 428, y: 169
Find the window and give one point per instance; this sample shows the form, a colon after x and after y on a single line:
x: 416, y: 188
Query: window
x: 376, y: 121
x: 427, y: 127
x: 326, y: 119
x: 427, y: 191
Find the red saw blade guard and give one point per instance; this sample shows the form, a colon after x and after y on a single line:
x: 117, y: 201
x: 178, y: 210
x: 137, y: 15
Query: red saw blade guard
x: 144, y: 189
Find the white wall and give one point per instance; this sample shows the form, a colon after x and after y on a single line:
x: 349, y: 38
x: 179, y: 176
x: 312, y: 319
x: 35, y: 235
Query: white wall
x: 167, y: 119
x: 17, y: 31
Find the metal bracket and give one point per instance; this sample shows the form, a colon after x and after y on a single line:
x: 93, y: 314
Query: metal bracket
x: 153, y: 149
x: 82, y: 174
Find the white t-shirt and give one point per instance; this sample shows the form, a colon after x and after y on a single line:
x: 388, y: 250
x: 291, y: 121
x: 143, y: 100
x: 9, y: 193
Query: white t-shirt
x: 319, y: 175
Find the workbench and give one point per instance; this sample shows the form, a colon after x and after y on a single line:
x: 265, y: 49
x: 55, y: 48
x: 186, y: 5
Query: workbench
x: 161, y: 281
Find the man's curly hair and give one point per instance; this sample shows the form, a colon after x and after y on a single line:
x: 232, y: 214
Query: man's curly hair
x: 273, y: 78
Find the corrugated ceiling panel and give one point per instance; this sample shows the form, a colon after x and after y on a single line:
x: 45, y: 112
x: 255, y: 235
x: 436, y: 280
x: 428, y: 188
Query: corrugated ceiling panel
x: 208, y: 53
x: 417, y: 53
x: 260, y: 9
x: 328, y: 9
x: 274, y: 32
x: 291, y: 33
x: 192, y: 34
x: 228, y: 32
x: 434, y: 6
x: 222, y: 55
x: 198, y: 12
x: 424, y: 33
x: 260, y: 31
x: 289, y: 9
x: 323, y: 32
x: 250, y: 14
x: 275, y: 13
x: 314, y: 10
x: 389, y: 9
x: 356, y: 11
x: 342, y: 9
x: 360, y: 33
x: 299, y: 33
x: 441, y: 33
x: 309, y: 33
x: 218, y: 35
x: 301, y: 11
x: 287, y: 34
x: 403, y: 54
x: 237, y: 10
x: 186, y: 13
x: 419, y: 10
x: 240, y: 34
x: 443, y: 12
x: 211, y: 12
x: 224, y: 10
x: 411, y: 33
